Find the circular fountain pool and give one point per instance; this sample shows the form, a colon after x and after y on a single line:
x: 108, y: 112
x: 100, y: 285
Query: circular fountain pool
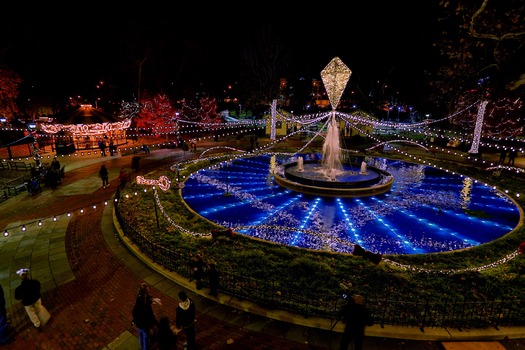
x: 426, y: 209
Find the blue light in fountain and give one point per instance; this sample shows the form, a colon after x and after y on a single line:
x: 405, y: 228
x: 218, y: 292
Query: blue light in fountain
x: 427, y: 209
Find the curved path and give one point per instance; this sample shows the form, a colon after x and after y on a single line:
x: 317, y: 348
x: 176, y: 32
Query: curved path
x: 90, y: 279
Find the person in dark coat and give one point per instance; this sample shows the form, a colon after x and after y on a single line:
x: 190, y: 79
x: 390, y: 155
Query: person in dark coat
x: 512, y: 156
x: 28, y: 292
x: 5, y: 337
x: 213, y: 279
x: 185, y: 319
x: 143, y: 316
x: 356, y: 316
x: 166, y: 335
x: 104, y: 175
x: 198, y: 270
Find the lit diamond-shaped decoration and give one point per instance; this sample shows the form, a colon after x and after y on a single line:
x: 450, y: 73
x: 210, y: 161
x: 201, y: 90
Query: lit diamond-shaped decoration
x: 335, y: 76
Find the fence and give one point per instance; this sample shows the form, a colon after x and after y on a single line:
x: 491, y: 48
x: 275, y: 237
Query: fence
x: 424, y: 313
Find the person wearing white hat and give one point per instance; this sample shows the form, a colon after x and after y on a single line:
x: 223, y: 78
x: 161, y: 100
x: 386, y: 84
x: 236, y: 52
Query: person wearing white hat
x: 28, y: 292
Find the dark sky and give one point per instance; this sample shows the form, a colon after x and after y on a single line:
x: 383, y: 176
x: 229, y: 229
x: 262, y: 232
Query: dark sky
x: 70, y: 48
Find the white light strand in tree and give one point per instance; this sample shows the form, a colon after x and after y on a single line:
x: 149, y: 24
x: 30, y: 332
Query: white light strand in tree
x: 477, y: 130
x: 273, y: 109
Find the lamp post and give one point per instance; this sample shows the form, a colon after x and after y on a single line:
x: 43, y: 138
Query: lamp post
x: 227, y: 193
x: 155, y: 204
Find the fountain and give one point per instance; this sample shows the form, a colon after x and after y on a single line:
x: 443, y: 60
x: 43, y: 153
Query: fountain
x: 300, y: 164
x: 426, y: 210
x: 331, y: 177
x: 363, y: 168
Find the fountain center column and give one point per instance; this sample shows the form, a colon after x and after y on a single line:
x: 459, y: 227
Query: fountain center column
x: 331, y: 162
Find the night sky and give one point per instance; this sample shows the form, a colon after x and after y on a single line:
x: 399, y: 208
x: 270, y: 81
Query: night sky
x: 68, y: 49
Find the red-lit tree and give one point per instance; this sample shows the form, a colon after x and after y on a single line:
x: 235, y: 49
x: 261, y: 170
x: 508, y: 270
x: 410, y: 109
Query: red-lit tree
x: 157, y: 114
x: 204, y: 111
x: 9, y: 84
x: 482, y: 43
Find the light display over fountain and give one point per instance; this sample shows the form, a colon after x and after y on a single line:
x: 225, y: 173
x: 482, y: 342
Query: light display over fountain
x: 329, y: 176
x: 326, y: 202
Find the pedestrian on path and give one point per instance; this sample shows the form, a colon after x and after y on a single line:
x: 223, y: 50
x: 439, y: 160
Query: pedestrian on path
x: 28, y: 292
x: 198, y: 270
x: 123, y: 177
x: 356, y: 316
x: 5, y: 337
x: 502, y: 156
x: 213, y: 279
x: 104, y: 175
x: 512, y: 156
x: 144, y: 317
x: 185, y: 319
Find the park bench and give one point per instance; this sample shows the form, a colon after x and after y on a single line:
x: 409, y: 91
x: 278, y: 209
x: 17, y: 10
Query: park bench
x: 3, y: 195
x: 20, y: 166
x: 4, y: 166
x: 17, y: 185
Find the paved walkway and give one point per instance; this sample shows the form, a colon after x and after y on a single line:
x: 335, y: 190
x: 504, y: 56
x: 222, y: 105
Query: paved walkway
x: 90, y: 280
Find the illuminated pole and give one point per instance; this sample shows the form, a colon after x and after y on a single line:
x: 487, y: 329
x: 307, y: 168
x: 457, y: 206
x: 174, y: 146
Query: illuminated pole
x: 272, y: 120
x: 227, y: 179
x: 474, y: 148
x: 155, y: 204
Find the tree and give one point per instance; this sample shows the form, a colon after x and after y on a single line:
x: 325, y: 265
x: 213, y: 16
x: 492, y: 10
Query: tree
x: 9, y: 90
x: 483, y: 46
x: 157, y: 113
x: 204, y: 111
x: 265, y: 58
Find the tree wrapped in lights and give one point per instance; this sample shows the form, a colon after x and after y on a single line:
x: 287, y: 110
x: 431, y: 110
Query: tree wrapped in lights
x: 157, y: 113
x: 483, y: 44
x: 204, y: 111
x: 9, y: 82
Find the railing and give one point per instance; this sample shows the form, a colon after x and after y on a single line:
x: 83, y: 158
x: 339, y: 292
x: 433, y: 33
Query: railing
x: 274, y: 295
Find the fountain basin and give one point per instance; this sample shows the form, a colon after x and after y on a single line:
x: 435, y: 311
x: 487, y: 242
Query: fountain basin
x: 309, y: 178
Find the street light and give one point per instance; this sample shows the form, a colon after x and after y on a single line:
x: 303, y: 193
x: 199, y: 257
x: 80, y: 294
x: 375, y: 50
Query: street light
x: 227, y: 193
x: 155, y: 204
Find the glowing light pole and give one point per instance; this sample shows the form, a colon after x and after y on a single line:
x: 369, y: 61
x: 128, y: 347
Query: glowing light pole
x: 155, y: 204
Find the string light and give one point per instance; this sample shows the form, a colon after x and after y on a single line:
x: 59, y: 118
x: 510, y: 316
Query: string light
x: 40, y: 223
x: 55, y: 218
x: 24, y: 228
x: 6, y: 233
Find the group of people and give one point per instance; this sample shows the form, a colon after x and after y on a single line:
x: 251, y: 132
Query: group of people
x: 102, y: 145
x: 164, y: 331
x: 513, y: 153
x: 51, y: 175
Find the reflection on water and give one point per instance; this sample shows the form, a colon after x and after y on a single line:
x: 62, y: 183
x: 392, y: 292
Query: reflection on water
x: 427, y: 210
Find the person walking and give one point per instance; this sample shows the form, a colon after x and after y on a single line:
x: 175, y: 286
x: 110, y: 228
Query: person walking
x: 5, y: 337
x: 102, y: 147
x: 502, y: 156
x: 213, y: 279
x: 122, y: 176
x: 185, y: 319
x: 356, y: 316
x: 104, y: 175
x: 512, y: 156
x: 198, y: 270
x: 143, y: 316
x: 28, y: 292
